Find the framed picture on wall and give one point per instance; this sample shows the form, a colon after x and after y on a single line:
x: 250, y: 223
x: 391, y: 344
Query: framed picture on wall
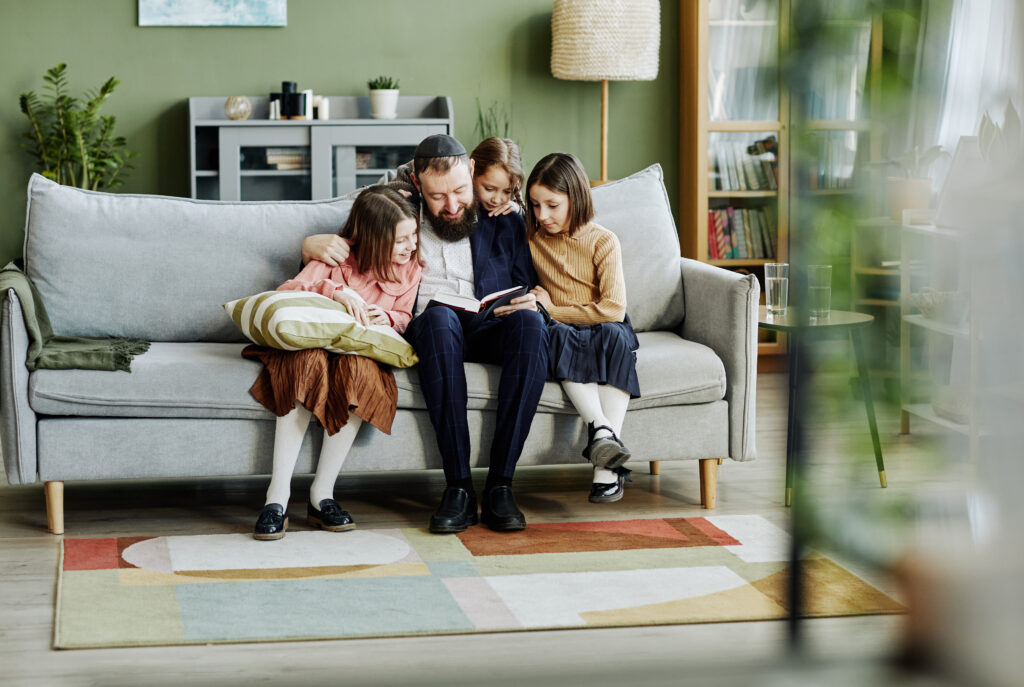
x: 213, y: 12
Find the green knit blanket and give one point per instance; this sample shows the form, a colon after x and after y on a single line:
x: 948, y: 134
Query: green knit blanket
x: 46, y: 351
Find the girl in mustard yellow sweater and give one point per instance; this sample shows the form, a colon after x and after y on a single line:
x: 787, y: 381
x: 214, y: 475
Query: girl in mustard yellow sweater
x: 592, y: 346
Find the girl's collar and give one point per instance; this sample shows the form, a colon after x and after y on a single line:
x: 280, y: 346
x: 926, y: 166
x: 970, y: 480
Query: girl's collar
x: 580, y: 233
x: 397, y: 288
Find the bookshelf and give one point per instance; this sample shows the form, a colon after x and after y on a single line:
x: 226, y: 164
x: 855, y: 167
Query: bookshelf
x: 738, y: 179
x: 734, y: 139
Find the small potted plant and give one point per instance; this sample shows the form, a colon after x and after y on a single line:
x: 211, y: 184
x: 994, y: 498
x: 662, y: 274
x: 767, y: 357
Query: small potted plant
x: 383, y: 97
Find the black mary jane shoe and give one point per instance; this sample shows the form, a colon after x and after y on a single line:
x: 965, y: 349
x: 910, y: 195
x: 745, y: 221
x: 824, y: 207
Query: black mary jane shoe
x: 608, y: 493
x: 499, y: 512
x: 271, y: 523
x: 456, y: 512
x: 329, y: 516
x: 605, y: 452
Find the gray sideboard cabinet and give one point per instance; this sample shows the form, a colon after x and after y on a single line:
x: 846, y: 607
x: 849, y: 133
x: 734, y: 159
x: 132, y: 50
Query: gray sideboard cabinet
x: 304, y: 159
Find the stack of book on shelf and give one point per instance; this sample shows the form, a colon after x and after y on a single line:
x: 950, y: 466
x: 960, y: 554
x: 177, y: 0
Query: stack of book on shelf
x: 287, y: 158
x: 737, y: 166
x: 737, y: 233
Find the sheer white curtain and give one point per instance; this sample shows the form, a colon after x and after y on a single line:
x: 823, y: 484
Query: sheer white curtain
x: 984, y: 67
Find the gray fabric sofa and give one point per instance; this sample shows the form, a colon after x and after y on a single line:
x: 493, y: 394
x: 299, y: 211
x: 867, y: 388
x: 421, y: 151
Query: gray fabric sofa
x: 159, y: 268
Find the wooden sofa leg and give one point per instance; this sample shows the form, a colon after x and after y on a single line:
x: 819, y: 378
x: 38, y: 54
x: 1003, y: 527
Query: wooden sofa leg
x: 54, y: 506
x: 709, y: 481
x: 655, y: 467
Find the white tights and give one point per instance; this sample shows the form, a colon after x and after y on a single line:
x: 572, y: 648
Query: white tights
x: 603, y: 405
x: 288, y: 440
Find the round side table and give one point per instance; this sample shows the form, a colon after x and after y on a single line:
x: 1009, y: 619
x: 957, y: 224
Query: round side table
x: 837, y: 320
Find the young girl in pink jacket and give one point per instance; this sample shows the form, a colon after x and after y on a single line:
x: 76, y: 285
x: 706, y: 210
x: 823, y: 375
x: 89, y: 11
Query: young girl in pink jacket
x: 377, y: 283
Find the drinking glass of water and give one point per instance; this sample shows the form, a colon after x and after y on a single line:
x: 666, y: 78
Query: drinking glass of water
x: 776, y: 287
x: 819, y: 290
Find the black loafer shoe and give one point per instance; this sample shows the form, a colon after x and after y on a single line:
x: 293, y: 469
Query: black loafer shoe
x: 605, y: 452
x: 329, y: 516
x: 456, y: 512
x: 608, y: 493
x: 271, y: 523
x: 499, y: 510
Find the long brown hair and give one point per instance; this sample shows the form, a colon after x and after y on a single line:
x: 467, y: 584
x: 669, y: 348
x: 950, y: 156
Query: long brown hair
x: 562, y: 173
x: 370, y: 228
x: 505, y: 153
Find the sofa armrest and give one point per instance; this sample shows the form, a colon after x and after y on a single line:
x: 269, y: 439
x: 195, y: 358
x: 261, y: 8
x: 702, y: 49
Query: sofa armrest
x: 721, y: 313
x: 17, y: 419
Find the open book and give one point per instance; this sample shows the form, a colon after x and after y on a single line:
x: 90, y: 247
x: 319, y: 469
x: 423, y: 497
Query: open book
x: 480, y: 309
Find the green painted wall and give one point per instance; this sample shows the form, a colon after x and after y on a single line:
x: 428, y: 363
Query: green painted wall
x: 497, y: 50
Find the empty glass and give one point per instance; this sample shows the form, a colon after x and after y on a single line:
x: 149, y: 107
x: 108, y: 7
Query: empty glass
x: 819, y: 290
x: 776, y: 287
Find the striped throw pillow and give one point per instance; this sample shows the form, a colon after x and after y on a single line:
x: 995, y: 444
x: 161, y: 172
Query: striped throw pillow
x: 297, y: 320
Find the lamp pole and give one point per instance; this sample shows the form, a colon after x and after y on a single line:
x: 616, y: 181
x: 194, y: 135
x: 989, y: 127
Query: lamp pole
x: 604, y: 131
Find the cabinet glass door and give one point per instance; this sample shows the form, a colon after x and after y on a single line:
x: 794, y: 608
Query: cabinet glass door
x: 836, y: 83
x: 278, y: 173
x: 265, y: 163
x: 350, y: 157
x: 743, y: 58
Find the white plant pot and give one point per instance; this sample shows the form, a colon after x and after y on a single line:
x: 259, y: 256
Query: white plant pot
x: 908, y: 194
x: 384, y: 103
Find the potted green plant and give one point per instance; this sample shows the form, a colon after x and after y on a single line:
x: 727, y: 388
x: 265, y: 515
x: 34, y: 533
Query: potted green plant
x: 383, y: 97
x: 72, y: 143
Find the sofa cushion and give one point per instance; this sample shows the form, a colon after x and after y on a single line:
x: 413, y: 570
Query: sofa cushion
x: 672, y: 371
x: 159, y: 268
x: 636, y: 208
x: 212, y: 380
x: 295, y: 320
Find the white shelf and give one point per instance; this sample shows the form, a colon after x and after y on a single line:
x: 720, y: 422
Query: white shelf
x: 936, y: 326
x: 274, y: 172
x: 932, y: 230
x: 924, y: 411
x: 330, y: 147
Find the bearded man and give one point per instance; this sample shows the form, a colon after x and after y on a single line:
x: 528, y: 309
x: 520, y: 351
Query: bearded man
x: 473, y: 255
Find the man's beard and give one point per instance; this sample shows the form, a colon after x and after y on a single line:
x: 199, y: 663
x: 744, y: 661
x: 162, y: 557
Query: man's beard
x: 454, y: 230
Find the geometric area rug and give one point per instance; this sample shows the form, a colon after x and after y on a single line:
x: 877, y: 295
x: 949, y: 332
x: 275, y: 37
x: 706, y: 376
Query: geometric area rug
x: 199, y: 589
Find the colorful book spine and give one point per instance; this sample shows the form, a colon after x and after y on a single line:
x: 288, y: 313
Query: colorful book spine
x: 712, y: 239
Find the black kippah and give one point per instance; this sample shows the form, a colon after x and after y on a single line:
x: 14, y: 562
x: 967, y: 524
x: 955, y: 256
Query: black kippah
x: 439, y: 145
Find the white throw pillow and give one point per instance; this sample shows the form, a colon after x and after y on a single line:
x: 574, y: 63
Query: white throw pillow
x: 297, y: 320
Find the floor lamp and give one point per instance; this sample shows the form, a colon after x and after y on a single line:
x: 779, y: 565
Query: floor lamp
x: 605, y: 40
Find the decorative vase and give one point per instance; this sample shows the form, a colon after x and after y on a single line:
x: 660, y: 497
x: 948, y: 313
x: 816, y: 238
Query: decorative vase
x: 384, y: 103
x: 237, y: 107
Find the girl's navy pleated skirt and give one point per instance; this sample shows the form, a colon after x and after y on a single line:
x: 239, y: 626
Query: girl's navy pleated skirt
x: 604, y: 353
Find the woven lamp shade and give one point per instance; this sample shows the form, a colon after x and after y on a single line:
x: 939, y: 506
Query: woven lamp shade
x: 597, y: 40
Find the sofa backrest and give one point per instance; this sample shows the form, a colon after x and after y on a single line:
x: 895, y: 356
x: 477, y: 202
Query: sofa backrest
x: 159, y: 268
x: 636, y: 208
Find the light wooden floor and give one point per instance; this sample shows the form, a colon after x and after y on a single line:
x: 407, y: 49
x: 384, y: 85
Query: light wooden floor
x: 719, y: 654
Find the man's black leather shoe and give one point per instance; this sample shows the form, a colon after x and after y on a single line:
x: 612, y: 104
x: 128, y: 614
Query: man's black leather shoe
x: 329, y: 516
x: 499, y: 510
x: 456, y: 512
